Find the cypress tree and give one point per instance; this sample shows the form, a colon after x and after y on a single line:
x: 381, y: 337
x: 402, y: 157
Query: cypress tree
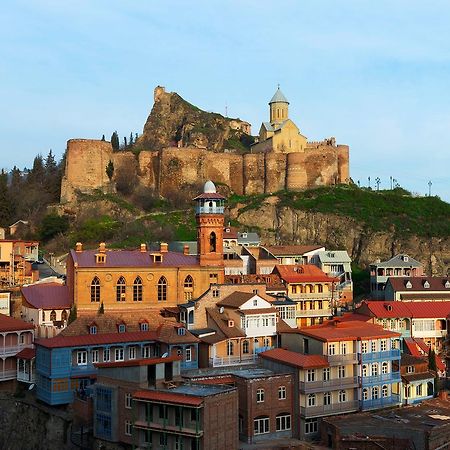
x: 115, y: 141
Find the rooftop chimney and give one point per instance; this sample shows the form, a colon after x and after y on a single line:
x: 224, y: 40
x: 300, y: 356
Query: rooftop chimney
x: 102, y: 247
x: 78, y: 247
x: 143, y: 248
x: 164, y: 247
x: 186, y: 249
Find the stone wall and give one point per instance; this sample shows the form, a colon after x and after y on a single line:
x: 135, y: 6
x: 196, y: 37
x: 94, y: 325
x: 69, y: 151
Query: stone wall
x: 173, y: 168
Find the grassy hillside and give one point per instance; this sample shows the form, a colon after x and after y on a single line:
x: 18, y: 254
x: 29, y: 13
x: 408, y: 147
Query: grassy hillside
x: 378, y: 210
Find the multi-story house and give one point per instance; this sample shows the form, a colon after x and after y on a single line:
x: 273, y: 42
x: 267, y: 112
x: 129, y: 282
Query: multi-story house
x: 245, y: 324
x: 47, y: 306
x: 16, y: 258
x: 418, y: 289
x: 337, y: 263
x: 417, y: 381
x: 16, y: 335
x: 399, y: 266
x: 313, y: 291
x: 68, y: 361
x: 425, y: 320
x: 294, y: 254
x: 232, y: 238
x: 356, y: 369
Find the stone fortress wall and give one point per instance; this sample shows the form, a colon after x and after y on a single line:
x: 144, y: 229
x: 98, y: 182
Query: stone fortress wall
x: 264, y: 171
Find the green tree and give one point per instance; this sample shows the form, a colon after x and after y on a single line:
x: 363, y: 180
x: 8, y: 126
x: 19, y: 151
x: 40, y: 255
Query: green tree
x: 36, y: 176
x: 6, y: 204
x: 115, y: 141
x: 52, y: 182
x: 131, y: 139
x: 51, y: 225
x: 72, y: 315
x: 110, y: 170
x: 103, y: 138
x: 101, y: 309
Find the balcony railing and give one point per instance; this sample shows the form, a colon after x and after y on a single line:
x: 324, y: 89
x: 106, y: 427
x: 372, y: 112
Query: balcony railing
x: 87, y: 370
x: 313, y: 313
x: 334, y: 408
x: 383, y: 402
x: 219, y: 361
x: 26, y: 377
x: 329, y: 385
x: 349, y: 358
x: 382, y: 378
x: 378, y: 356
x: 310, y: 296
x: 168, y: 428
x: 429, y: 333
x: 8, y: 374
x: 12, y: 350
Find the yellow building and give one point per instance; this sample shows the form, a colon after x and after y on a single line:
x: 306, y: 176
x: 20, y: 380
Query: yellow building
x: 122, y: 280
x: 280, y: 135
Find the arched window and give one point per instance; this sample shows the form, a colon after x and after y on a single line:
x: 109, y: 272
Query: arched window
x: 365, y: 394
x: 162, y: 289
x: 137, y: 290
x: 230, y: 349
x: 312, y: 400
x: 120, y: 289
x: 188, y: 288
x: 364, y: 370
x: 212, y: 242
x: 53, y: 316
x: 375, y: 393
x: 384, y: 391
x: 95, y: 290
x: 64, y: 315
x: 342, y: 396
x: 43, y: 316
x: 245, y: 346
x: 384, y: 367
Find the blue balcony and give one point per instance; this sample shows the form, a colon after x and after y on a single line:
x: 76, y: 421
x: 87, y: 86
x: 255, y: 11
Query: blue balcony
x: 185, y: 365
x: 380, y: 356
x: 393, y: 377
x: 83, y: 370
x: 378, y: 403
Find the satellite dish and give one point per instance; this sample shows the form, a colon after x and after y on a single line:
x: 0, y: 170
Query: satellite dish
x: 165, y: 355
x: 221, y: 310
x: 31, y: 387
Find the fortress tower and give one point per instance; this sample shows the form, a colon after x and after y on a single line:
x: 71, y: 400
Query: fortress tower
x: 279, y: 108
x: 210, y: 220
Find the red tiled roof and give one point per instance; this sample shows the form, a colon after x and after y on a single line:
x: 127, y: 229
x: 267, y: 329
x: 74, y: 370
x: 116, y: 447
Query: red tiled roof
x: 47, y: 296
x: 97, y: 339
x: 236, y: 299
x: 168, y: 397
x: 418, y: 310
x: 294, y: 359
x: 291, y: 250
x: 417, y: 283
x: 8, y: 323
x: 304, y: 273
x: 27, y: 353
x: 336, y: 330
x: 139, y: 362
x: 412, y: 347
x: 133, y: 258
x: 168, y: 333
x: 210, y: 195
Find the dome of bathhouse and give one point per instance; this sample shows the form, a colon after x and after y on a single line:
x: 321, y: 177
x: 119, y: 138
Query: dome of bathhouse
x: 209, y: 188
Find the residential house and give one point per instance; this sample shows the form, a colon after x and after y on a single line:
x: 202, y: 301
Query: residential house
x: 16, y: 335
x: 417, y: 381
x: 16, y: 257
x: 337, y: 263
x: 294, y: 254
x: 399, y: 266
x: 245, y: 324
x: 357, y: 368
x: 67, y: 362
x: 313, y: 291
x: 47, y: 306
x: 261, y: 261
x: 418, y: 289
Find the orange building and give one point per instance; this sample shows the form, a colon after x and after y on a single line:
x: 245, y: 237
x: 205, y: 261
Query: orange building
x: 121, y: 280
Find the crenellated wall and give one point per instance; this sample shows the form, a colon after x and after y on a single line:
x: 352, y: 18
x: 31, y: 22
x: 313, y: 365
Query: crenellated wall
x: 322, y: 163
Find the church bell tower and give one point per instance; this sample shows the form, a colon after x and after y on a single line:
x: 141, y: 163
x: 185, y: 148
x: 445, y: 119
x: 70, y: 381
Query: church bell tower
x: 210, y: 220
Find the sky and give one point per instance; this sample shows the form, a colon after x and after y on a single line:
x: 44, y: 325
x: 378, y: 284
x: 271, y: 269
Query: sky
x: 373, y: 74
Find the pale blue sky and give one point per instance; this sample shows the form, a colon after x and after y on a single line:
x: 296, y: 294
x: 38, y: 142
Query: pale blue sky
x: 374, y: 74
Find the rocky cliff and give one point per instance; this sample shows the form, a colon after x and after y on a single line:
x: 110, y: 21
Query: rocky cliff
x: 174, y: 122
x: 280, y: 223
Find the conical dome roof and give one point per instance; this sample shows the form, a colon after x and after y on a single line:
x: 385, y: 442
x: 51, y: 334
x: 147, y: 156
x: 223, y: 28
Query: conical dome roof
x: 209, y: 188
x: 278, y: 97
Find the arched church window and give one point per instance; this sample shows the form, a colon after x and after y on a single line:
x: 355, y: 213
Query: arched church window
x: 137, y: 290
x: 120, y: 289
x: 162, y: 289
x: 95, y: 290
x: 212, y: 242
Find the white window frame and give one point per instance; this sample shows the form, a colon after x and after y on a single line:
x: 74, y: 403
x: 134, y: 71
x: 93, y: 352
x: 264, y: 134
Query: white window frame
x: 282, y: 393
x: 128, y: 398
x: 82, y: 358
x: 128, y: 428
x: 106, y: 355
x: 261, y: 425
x: 119, y: 354
x: 188, y: 357
x: 95, y: 356
x: 260, y: 395
x: 283, y: 422
x: 132, y: 352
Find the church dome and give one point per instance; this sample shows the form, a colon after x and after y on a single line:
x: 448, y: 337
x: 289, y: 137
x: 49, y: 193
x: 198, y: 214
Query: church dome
x: 209, y: 188
x: 278, y: 97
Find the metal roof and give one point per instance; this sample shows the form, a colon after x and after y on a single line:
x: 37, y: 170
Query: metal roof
x: 278, y: 97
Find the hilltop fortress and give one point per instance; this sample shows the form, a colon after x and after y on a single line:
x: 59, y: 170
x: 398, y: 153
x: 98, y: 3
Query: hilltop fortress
x: 182, y: 145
